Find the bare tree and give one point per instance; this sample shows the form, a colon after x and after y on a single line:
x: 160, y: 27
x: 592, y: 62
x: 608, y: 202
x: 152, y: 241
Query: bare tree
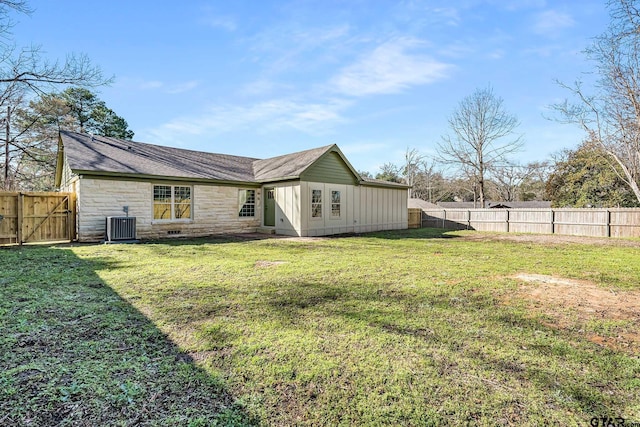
x: 514, y: 182
x: 480, y: 125
x: 389, y: 172
x: 611, y: 115
x: 414, y: 163
x: 507, y: 180
x: 25, y: 72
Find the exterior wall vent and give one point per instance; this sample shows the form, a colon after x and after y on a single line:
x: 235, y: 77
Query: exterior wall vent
x: 120, y: 228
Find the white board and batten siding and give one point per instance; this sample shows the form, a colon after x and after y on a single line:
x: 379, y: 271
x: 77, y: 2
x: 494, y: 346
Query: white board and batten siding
x: 363, y: 209
x: 215, y: 210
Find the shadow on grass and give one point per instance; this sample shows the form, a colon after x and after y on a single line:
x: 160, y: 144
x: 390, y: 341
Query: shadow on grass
x: 421, y: 233
x: 75, y: 353
x: 501, y: 344
x: 417, y: 233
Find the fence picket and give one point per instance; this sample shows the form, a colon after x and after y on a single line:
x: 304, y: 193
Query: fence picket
x: 618, y: 222
x: 40, y: 216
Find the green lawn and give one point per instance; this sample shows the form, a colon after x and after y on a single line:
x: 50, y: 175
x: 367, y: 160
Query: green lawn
x: 419, y: 327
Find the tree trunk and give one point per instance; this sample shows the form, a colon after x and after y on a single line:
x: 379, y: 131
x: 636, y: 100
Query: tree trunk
x: 6, y: 151
x: 627, y: 173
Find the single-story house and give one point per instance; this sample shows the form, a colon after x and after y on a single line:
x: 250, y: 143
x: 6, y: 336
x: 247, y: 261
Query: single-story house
x: 177, y: 192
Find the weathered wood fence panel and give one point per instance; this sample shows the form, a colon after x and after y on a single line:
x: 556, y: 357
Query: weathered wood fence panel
x: 581, y: 222
x: 485, y: 220
x: 619, y: 222
x: 9, y: 218
x: 415, y: 217
x: 624, y: 223
x: 36, y: 217
x: 531, y: 221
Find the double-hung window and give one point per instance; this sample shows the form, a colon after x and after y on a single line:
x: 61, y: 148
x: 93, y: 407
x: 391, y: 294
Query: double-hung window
x: 172, y: 202
x: 247, y: 203
x: 335, y: 204
x: 316, y: 203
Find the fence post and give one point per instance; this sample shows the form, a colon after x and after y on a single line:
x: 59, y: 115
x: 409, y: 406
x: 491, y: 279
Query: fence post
x: 468, y: 219
x: 20, y: 218
x: 553, y: 221
x: 608, y: 223
x: 72, y: 226
x: 507, y: 220
x: 444, y: 217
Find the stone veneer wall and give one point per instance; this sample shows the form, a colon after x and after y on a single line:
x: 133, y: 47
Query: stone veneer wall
x: 215, y: 210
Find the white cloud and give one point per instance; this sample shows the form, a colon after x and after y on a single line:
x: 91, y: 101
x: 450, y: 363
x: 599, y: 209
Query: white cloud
x: 211, y: 18
x: 457, y: 50
x: 449, y: 15
x: 551, y: 22
x: 263, y: 86
x: 282, y: 49
x: 274, y: 115
x: 520, y: 4
x: 183, y: 87
x: 151, y: 84
x: 158, y: 85
x: 389, y: 68
x: 497, y: 54
x: 223, y: 22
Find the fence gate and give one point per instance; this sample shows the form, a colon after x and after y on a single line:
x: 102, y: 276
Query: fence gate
x: 36, y: 217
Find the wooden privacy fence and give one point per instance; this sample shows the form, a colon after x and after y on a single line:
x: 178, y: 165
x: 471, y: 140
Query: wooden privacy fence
x: 618, y: 222
x: 36, y: 217
x: 415, y: 217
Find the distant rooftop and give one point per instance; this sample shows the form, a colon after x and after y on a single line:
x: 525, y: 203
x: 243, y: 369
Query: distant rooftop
x: 534, y: 204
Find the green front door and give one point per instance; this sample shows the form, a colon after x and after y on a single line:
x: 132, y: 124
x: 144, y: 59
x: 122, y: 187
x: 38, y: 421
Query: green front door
x: 269, y: 207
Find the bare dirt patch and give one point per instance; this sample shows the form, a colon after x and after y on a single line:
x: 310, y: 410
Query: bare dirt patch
x: 584, y: 307
x: 551, y: 239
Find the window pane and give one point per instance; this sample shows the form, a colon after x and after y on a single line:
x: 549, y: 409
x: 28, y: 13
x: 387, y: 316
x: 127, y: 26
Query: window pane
x: 162, y: 211
x: 182, y: 211
x: 335, y: 197
x: 247, y: 203
x: 335, y: 203
x: 316, y: 203
x: 316, y: 210
x: 161, y: 202
x: 182, y: 194
x: 182, y: 202
x: 162, y: 193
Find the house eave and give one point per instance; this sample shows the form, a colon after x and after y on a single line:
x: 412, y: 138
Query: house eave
x: 280, y: 179
x: 385, y: 185
x: 148, y: 177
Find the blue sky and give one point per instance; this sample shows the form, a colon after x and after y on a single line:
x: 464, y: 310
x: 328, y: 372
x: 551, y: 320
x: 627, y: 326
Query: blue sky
x: 262, y: 78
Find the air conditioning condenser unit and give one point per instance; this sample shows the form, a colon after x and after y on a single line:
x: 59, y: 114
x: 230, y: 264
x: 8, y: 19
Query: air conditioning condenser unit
x: 120, y: 229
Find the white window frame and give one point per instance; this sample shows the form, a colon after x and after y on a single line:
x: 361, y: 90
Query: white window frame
x: 334, y: 203
x: 317, y: 203
x: 246, y: 207
x: 172, y: 203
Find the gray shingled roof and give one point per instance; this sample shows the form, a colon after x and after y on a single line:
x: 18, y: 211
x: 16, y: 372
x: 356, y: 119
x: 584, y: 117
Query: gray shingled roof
x: 287, y: 166
x: 102, y: 155
x: 534, y: 204
x: 87, y: 153
x: 421, y: 204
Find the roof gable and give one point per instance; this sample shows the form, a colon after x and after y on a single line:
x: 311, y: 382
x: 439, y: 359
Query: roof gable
x: 326, y: 162
x: 331, y: 167
x: 288, y: 166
